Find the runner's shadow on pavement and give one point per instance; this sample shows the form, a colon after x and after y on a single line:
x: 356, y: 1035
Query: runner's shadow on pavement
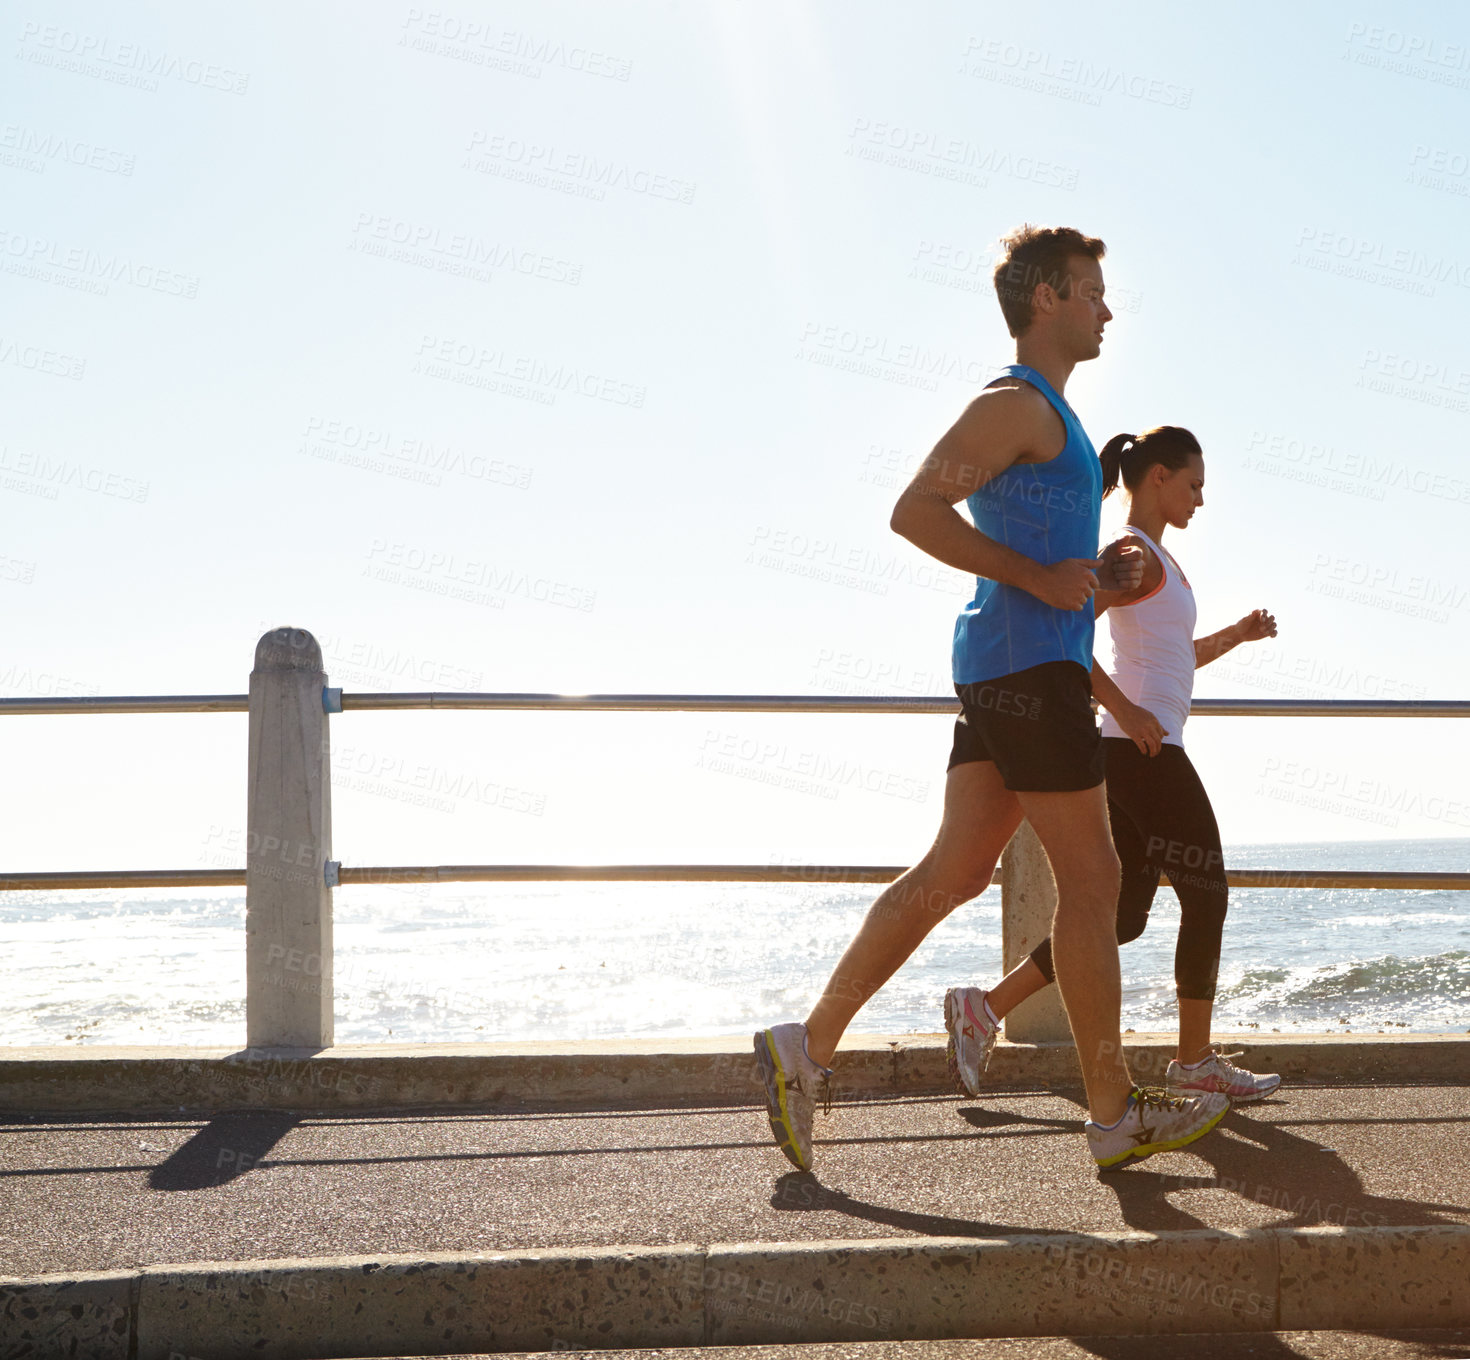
x: 1240, y: 1346
x: 1264, y: 1163
x: 1425, y: 1344
x: 802, y: 1192
x: 223, y: 1150
x: 985, y: 1117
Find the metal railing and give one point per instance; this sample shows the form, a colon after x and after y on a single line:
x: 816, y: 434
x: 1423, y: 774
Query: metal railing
x: 289, y: 874
x: 361, y: 875
x: 713, y: 703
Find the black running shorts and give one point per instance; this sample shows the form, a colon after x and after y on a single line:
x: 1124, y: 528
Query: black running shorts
x: 1036, y: 725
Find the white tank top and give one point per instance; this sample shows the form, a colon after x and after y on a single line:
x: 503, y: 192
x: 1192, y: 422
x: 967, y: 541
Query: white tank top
x: 1153, y: 649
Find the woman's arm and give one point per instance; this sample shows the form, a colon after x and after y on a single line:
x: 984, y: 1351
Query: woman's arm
x: 1253, y: 627
x: 1146, y: 731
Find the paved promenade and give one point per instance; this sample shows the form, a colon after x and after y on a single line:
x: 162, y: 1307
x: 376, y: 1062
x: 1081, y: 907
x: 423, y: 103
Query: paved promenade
x: 90, y: 1193
x: 1343, y: 1205
x: 1420, y: 1344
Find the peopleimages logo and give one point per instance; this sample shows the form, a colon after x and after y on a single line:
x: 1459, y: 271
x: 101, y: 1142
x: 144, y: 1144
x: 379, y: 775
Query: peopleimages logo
x: 1093, y: 1270
x: 41, y: 254
x: 994, y: 497
x: 1073, y: 78
x: 39, y: 359
x: 947, y: 157
x: 46, y: 476
x: 31, y: 682
x: 505, y: 49
x: 1438, y: 167
x: 1412, y: 269
x: 379, y: 449
x: 823, y: 559
x: 456, y: 252
x: 1305, y: 677
x: 809, y: 771
x: 838, y: 346
x: 481, y: 582
x: 547, y: 166
x: 125, y: 63
x: 1421, y: 46
x: 476, y: 365
x: 1353, y: 794
x: 19, y: 141
x: 1378, y: 474
x: 1427, y: 382
x: 424, y: 784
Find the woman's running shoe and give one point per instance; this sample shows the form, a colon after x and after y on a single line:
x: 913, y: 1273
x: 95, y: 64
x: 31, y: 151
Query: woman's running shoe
x: 1218, y: 1073
x: 794, y: 1084
x: 972, y: 1035
x: 1155, y: 1121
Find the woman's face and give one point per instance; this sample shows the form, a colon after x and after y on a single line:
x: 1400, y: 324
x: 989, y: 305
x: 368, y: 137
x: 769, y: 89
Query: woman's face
x: 1182, y: 491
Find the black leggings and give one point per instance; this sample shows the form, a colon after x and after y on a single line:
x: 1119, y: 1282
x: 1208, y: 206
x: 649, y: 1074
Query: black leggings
x: 1162, y: 821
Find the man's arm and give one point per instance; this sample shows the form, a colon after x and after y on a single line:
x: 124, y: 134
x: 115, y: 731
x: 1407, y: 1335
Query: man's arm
x: 1143, y: 579
x: 1001, y: 427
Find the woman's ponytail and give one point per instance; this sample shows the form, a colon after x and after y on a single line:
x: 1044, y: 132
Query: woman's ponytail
x: 1111, y: 459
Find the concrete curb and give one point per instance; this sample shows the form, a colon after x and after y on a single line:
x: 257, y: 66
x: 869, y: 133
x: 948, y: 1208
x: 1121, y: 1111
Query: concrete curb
x: 752, y: 1293
x: 87, y: 1314
x: 625, y: 1072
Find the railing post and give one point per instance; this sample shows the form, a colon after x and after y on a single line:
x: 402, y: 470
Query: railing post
x: 1028, y: 901
x: 288, y: 903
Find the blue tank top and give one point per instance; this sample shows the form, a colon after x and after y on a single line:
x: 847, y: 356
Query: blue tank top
x: 1047, y: 512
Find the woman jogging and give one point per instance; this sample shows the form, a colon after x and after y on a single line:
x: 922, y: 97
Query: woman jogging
x: 1160, y: 814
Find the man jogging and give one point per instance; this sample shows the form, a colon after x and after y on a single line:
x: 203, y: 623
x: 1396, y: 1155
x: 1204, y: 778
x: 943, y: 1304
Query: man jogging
x: 1026, y: 743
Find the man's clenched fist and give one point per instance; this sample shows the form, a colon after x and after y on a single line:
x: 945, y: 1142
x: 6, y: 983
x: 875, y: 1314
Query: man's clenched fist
x: 1120, y: 567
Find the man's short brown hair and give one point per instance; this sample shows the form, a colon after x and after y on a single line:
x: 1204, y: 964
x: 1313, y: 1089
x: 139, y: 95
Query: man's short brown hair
x: 1037, y: 255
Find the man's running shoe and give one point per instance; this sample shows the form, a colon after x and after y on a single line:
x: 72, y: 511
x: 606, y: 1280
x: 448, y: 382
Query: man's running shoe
x: 1218, y: 1073
x: 1155, y: 1121
x: 972, y: 1036
x: 793, y: 1084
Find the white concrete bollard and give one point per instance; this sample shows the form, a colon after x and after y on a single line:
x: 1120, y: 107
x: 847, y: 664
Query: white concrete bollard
x: 288, y: 903
x: 1028, y: 896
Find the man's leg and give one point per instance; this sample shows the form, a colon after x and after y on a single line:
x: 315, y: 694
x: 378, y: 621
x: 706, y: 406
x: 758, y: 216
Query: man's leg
x: 1073, y: 830
x: 1126, y: 1122
x: 980, y: 817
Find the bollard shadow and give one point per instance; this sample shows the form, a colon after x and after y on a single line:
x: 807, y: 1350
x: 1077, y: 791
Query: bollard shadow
x: 223, y: 1150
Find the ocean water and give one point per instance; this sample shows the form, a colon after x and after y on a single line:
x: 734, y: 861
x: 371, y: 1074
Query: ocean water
x: 459, y: 962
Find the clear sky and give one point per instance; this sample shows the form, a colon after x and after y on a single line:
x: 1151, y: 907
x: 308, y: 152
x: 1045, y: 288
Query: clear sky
x: 586, y: 347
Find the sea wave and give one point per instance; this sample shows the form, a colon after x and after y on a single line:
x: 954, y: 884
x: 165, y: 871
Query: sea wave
x: 580, y: 961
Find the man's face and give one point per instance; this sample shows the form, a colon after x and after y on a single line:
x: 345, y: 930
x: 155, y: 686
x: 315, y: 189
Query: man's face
x: 1083, y: 312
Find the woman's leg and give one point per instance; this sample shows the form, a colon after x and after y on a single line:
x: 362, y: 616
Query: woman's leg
x: 1167, y: 801
x: 1025, y: 979
x: 1139, y: 881
x: 1195, y: 1020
